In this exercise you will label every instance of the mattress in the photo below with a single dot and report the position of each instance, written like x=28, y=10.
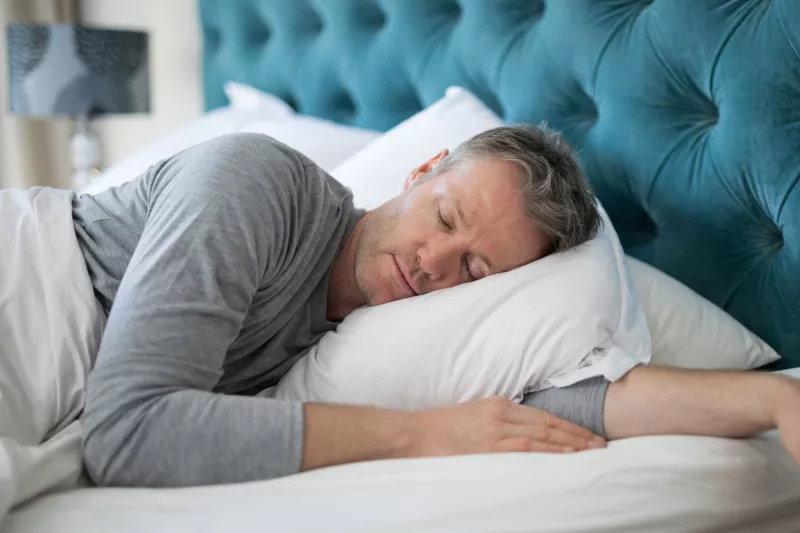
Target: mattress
x=654, y=484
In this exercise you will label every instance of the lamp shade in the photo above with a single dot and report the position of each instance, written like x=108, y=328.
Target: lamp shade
x=65, y=70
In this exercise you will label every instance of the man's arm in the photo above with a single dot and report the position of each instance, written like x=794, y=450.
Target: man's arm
x=647, y=401
x=344, y=434
x=210, y=240
x=653, y=400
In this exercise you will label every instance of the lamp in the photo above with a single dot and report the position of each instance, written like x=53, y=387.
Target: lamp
x=73, y=71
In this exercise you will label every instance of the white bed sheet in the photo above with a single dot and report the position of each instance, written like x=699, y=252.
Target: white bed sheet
x=653, y=484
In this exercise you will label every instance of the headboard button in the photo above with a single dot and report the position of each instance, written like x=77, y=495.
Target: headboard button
x=373, y=18
x=452, y=11
x=260, y=34
x=779, y=240
x=536, y=8
x=713, y=116
x=213, y=38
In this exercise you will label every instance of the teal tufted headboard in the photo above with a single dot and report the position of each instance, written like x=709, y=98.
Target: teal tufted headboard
x=686, y=113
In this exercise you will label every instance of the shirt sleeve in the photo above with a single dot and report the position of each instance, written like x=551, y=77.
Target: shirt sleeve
x=582, y=403
x=216, y=214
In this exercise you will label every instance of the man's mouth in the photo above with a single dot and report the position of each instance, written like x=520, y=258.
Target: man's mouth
x=402, y=279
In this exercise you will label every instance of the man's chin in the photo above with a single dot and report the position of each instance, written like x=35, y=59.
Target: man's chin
x=379, y=300
x=384, y=295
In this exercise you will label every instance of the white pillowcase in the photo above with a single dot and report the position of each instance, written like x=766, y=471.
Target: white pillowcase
x=378, y=173
x=245, y=98
x=557, y=321
x=205, y=127
x=326, y=143
x=688, y=331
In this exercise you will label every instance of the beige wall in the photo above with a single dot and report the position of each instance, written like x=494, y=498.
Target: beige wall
x=175, y=86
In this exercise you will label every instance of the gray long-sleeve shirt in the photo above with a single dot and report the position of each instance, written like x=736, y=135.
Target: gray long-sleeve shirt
x=213, y=268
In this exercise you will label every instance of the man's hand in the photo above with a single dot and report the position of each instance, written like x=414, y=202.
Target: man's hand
x=497, y=425
x=787, y=417
x=338, y=434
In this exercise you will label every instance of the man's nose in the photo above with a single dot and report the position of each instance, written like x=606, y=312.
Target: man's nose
x=440, y=261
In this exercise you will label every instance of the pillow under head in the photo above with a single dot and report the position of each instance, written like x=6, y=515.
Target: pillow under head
x=559, y=320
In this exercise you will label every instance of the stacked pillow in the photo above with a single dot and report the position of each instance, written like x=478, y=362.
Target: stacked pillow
x=250, y=110
x=689, y=331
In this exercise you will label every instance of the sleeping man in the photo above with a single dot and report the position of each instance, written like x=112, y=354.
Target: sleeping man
x=221, y=266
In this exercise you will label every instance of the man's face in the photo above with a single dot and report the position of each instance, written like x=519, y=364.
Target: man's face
x=459, y=226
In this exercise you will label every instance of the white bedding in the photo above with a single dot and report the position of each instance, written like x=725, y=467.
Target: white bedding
x=50, y=327
x=651, y=484
x=646, y=484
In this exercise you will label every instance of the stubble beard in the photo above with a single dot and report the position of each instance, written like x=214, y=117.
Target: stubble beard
x=373, y=244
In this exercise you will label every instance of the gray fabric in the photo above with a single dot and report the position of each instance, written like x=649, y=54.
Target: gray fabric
x=226, y=251
x=213, y=267
x=582, y=403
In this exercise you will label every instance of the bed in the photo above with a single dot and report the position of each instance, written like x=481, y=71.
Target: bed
x=686, y=115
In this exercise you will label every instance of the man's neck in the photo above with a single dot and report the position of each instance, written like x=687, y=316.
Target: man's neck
x=344, y=294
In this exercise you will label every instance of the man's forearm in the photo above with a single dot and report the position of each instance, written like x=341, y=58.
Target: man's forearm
x=337, y=434
x=345, y=434
x=653, y=400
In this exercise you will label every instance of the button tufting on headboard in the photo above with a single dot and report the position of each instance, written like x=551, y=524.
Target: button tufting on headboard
x=528, y=11
x=260, y=35
x=684, y=114
x=212, y=38
x=371, y=16
x=451, y=10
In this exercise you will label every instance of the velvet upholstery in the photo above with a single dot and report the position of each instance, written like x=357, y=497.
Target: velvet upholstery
x=686, y=113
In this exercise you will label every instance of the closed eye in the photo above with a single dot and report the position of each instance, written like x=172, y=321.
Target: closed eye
x=442, y=221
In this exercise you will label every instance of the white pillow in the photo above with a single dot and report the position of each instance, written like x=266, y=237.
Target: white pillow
x=205, y=127
x=559, y=320
x=688, y=331
x=378, y=173
x=245, y=98
x=326, y=143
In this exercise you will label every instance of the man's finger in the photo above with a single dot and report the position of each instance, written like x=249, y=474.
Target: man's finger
x=521, y=444
x=549, y=435
x=525, y=415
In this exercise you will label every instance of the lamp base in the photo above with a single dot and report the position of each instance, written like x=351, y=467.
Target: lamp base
x=84, y=147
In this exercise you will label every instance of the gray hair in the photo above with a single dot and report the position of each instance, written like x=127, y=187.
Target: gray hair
x=557, y=197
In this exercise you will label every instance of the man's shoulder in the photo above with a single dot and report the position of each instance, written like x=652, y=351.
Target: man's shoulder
x=248, y=150
x=235, y=165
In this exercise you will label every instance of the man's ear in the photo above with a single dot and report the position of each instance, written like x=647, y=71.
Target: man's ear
x=424, y=168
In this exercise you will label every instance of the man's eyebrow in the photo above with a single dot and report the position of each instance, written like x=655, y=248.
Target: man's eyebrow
x=464, y=223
